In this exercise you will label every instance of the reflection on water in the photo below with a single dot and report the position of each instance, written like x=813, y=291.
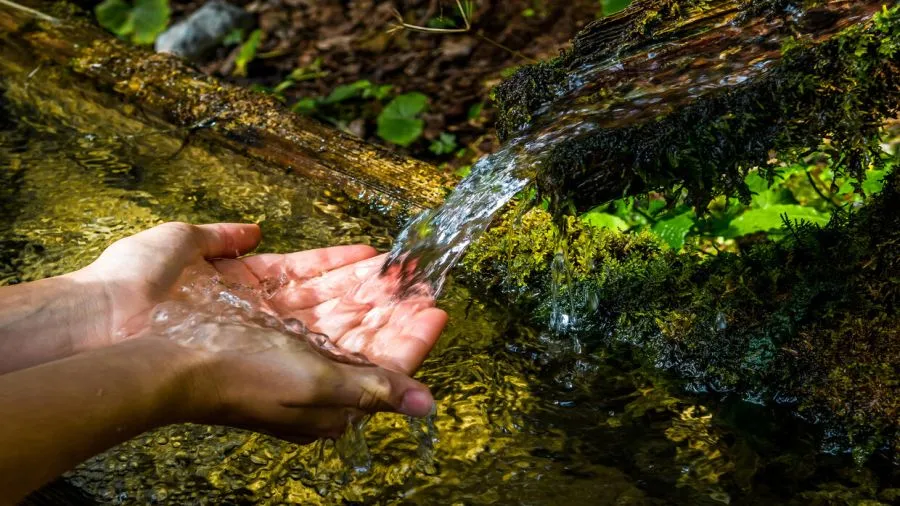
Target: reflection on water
x=521, y=420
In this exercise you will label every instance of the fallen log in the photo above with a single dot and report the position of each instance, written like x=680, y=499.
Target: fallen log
x=58, y=54
x=692, y=94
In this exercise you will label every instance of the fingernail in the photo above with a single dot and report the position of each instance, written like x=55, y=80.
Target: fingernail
x=417, y=403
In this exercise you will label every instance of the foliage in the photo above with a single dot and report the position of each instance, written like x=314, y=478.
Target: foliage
x=247, y=52
x=796, y=195
x=139, y=22
x=399, y=122
x=443, y=145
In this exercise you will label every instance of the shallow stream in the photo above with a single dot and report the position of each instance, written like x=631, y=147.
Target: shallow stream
x=522, y=418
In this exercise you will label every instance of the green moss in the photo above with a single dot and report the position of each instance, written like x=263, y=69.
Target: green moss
x=809, y=322
x=841, y=89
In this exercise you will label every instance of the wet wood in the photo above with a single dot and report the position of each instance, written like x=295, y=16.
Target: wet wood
x=61, y=48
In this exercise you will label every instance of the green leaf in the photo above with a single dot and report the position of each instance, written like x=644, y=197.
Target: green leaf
x=247, y=53
x=115, y=16
x=600, y=219
x=378, y=92
x=874, y=182
x=347, y=91
x=306, y=105
x=475, y=111
x=443, y=145
x=770, y=219
x=234, y=37
x=399, y=122
x=764, y=196
x=150, y=18
x=673, y=230
x=614, y=6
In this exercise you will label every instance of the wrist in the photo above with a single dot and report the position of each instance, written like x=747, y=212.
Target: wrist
x=183, y=392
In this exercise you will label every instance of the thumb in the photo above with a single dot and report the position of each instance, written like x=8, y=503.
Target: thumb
x=373, y=389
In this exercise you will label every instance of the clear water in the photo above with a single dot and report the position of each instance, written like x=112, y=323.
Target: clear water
x=521, y=419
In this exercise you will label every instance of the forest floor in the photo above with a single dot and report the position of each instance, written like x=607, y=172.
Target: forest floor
x=309, y=48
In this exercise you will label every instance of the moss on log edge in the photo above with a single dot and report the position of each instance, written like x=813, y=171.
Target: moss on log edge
x=840, y=88
x=256, y=125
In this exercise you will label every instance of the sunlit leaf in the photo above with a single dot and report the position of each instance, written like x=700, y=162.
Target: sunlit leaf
x=614, y=6
x=673, y=230
x=141, y=22
x=600, y=219
x=770, y=219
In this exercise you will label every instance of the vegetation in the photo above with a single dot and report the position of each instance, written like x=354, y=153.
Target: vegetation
x=140, y=22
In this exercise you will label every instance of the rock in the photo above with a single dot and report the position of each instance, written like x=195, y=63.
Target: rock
x=203, y=30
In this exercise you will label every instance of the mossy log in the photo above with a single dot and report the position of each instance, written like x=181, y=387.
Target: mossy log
x=690, y=94
x=60, y=48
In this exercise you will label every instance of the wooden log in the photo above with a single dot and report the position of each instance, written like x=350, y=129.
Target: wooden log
x=60, y=49
x=691, y=94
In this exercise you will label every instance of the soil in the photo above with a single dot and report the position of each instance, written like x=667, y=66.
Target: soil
x=350, y=40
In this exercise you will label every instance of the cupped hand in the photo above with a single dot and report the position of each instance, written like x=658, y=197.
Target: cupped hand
x=338, y=291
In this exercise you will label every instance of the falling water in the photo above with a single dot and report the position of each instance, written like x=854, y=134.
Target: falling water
x=634, y=85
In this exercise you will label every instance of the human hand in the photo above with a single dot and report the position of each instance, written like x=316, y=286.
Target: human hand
x=336, y=291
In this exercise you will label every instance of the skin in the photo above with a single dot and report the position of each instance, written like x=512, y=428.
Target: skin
x=79, y=372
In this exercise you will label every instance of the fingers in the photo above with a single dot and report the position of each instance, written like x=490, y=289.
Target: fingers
x=373, y=389
x=308, y=264
x=226, y=240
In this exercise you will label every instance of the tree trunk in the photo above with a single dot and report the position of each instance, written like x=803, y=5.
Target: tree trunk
x=61, y=56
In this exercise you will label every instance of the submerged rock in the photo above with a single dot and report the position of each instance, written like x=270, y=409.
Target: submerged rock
x=203, y=30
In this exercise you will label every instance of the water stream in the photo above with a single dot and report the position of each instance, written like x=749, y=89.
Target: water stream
x=522, y=418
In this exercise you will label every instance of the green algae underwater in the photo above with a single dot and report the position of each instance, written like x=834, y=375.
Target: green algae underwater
x=809, y=322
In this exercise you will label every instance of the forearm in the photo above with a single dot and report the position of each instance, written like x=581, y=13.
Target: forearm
x=47, y=320
x=57, y=415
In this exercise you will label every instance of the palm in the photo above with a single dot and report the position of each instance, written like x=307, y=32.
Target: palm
x=336, y=291
x=339, y=292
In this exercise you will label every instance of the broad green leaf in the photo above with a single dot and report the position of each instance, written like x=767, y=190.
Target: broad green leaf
x=673, y=230
x=763, y=196
x=347, y=91
x=770, y=219
x=604, y=220
x=234, y=37
x=150, y=18
x=399, y=122
x=475, y=111
x=115, y=16
x=247, y=53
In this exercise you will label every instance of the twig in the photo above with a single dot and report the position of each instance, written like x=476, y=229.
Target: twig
x=812, y=183
x=401, y=25
x=38, y=14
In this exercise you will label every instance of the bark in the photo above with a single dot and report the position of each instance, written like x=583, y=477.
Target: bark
x=693, y=94
x=76, y=64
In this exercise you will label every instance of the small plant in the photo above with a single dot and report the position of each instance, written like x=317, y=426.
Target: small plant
x=443, y=145
x=140, y=22
x=247, y=53
x=613, y=6
x=399, y=122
